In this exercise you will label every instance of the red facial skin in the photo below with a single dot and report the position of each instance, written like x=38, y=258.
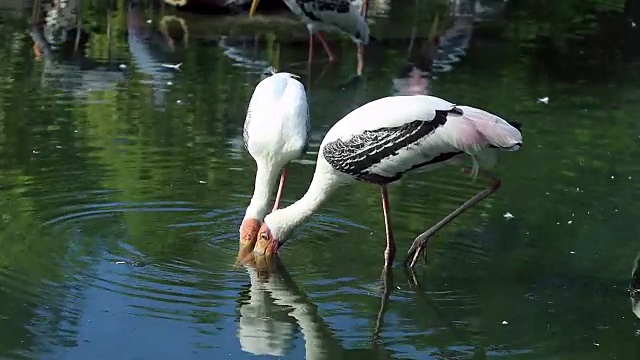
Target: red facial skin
x=248, y=235
x=266, y=244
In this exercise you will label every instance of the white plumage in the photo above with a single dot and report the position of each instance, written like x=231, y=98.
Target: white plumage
x=276, y=131
x=329, y=15
x=469, y=133
x=333, y=15
x=386, y=138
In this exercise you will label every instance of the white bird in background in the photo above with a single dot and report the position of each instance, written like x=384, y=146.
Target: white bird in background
x=386, y=138
x=345, y=16
x=276, y=131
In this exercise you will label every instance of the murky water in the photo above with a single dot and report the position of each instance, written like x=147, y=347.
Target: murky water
x=123, y=183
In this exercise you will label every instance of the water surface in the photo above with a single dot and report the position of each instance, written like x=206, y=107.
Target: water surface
x=123, y=183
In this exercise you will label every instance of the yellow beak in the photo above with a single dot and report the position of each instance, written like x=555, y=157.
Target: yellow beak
x=254, y=6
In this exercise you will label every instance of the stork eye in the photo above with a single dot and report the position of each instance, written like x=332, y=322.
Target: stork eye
x=264, y=236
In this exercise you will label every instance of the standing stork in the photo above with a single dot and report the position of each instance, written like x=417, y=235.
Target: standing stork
x=276, y=131
x=381, y=141
x=344, y=16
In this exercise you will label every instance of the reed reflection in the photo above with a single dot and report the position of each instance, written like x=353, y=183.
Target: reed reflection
x=274, y=307
x=444, y=46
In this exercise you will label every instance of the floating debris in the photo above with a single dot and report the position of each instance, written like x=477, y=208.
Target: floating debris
x=544, y=100
x=122, y=66
x=508, y=216
x=171, y=66
x=202, y=181
x=119, y=262
x=149, y=21
x=505, y=322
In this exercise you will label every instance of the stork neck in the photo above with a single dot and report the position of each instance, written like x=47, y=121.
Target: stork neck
x=266, y=177
x=315, y=196
x=323, y=184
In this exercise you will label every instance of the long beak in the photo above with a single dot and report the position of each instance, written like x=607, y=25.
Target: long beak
x=245, y=257
x=254, y=6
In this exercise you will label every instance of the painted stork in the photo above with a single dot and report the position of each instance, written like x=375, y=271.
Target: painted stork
x=384, y=139
x=276, y=131
x=344, y=16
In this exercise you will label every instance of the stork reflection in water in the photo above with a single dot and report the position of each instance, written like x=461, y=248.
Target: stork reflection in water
x=274, y=307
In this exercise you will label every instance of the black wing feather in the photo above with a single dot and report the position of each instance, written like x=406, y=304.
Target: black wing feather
x=359, y=153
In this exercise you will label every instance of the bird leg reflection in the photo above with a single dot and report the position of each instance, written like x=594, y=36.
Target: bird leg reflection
x=420, y=243
x=461, y=334
x=387, y=289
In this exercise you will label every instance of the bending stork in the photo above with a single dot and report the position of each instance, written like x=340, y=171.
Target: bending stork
x=276, y=131
x=380, y=142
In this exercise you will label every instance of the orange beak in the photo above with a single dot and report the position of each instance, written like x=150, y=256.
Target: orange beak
x=248, y=235
x=265, y=266
x=266, y=247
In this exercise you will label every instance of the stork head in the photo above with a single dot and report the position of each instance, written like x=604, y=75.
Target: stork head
x=266, y=243
x=248, y=235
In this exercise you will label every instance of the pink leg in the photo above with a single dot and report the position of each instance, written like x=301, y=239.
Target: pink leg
x=276, y=205
x=365, y=6
x=420, y=243
x=326, y=46
x=390, y=251
x=310, y=48
x=360, y=65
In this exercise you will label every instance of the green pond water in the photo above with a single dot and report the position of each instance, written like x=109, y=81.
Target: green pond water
x=123, y=184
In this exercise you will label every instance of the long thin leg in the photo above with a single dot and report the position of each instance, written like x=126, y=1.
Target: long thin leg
x=360, y=55
x=390, y=251
x=420, y=243
x=326, y=46
x=276, y=205
x=310, y=59
x=365, y=6
x=36, y=51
